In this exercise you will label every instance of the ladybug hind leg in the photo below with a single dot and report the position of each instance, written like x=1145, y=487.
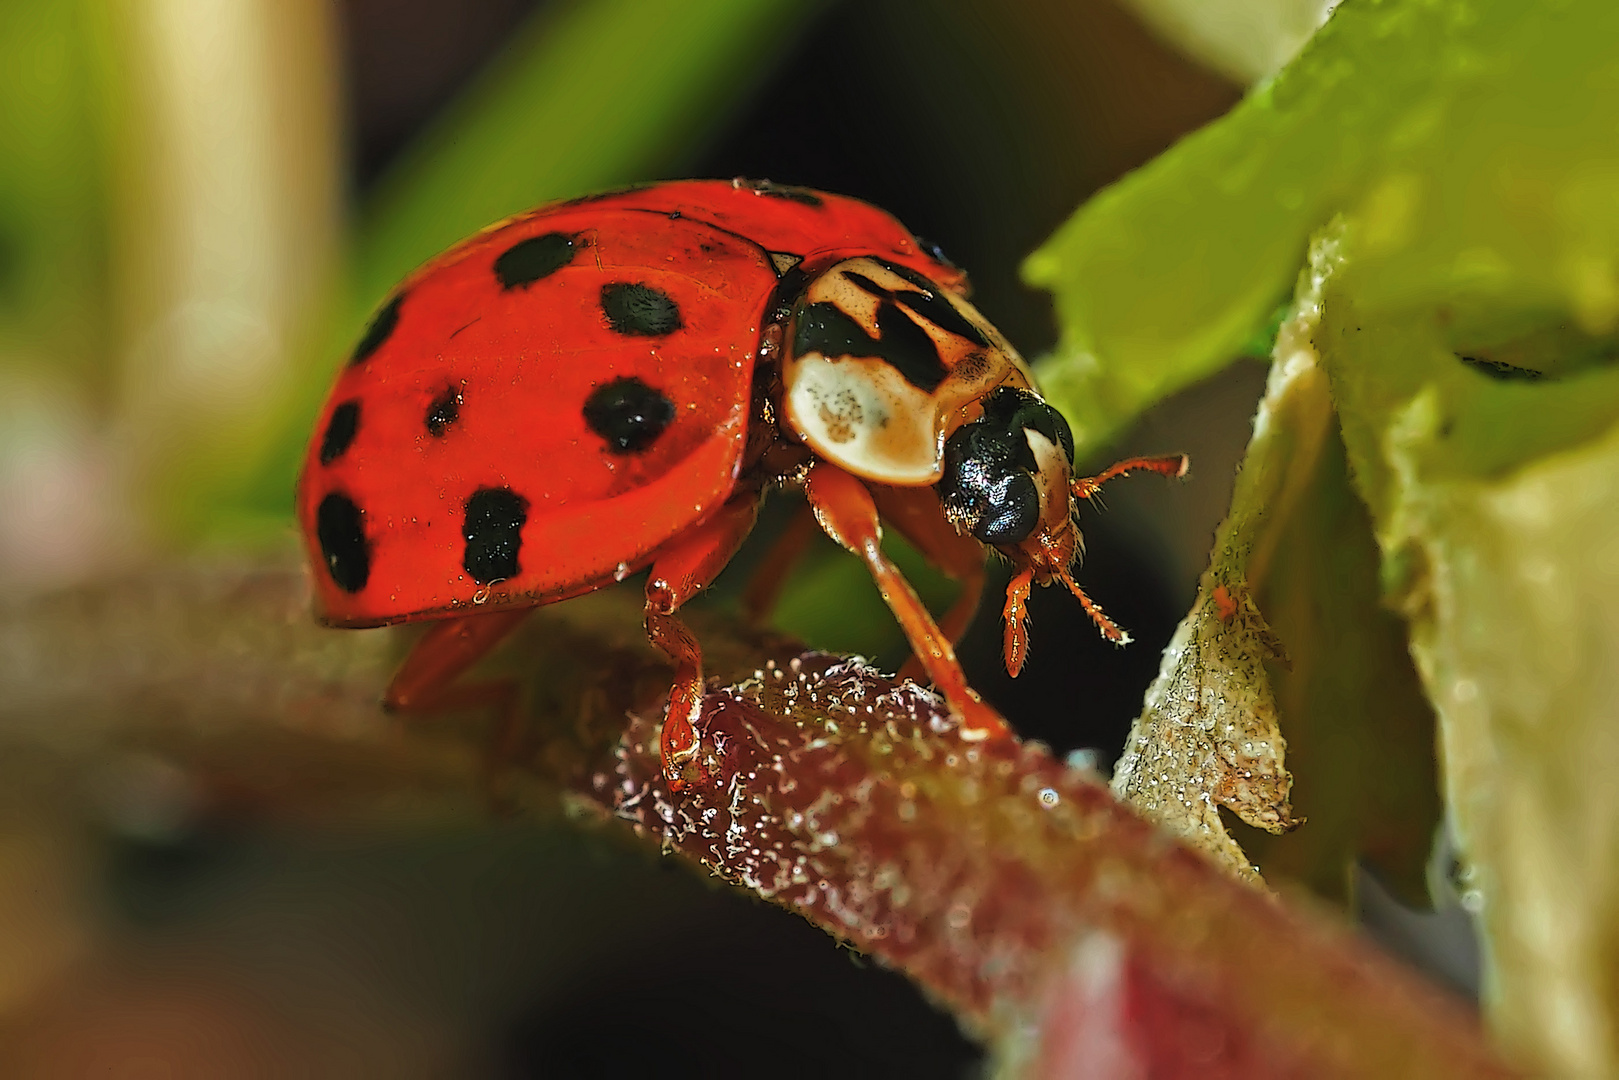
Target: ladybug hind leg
x=681, y=569
x=425, y=682
x=845, y=509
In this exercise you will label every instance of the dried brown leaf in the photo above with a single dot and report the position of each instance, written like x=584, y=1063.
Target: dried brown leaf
x=1208, y=736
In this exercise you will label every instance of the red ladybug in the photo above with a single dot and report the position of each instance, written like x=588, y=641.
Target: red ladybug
x=611, y=384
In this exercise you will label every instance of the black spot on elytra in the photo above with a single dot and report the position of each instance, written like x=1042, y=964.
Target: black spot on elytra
x=929, y=305
x=639, y=310
x=493, y=529
x=527, y=261
x=340, y=528
x=444, y=411
x=629, y=414
x=905, y=346
x=340, y=431
x=376, y=335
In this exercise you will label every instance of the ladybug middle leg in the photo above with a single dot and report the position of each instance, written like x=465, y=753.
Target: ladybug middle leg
x=764, y=587
x=845, y=508
x=681, y=569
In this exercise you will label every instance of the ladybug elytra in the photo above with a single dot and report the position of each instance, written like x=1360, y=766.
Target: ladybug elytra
x=611, y=384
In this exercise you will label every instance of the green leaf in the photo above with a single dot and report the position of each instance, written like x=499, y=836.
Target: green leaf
x=1425, y=117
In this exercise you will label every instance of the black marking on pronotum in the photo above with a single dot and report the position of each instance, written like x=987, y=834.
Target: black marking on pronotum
x=340, y=528
x=919, y=280
x=376, y=335
x=927, y=304
x=340, y=431
x=444, y=411
x=906, y=347
x=791, y=285
x=527, y=261
x=639, y=310
x=493, y=529
x=628, y=414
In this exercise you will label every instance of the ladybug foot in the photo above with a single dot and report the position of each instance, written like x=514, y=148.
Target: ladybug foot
x=979, y=720
x=679, y=744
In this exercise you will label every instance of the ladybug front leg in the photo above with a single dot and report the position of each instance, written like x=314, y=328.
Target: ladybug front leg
x=1015, y=621
x=845, y=509
x=919, y=517
x=681, y=569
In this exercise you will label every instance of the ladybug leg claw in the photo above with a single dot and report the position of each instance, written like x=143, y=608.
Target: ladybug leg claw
x=845, y=509
x=680, y=570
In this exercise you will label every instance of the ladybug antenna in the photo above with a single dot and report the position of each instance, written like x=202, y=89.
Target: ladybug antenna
x=1107, y=626
x=1172, y=465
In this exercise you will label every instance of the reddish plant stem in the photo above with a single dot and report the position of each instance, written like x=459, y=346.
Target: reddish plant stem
x=1056, y=924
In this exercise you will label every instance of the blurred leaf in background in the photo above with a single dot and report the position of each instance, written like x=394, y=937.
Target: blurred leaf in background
x=58, y=482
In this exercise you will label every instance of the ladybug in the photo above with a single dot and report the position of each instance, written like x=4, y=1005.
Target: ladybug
x=611, y=384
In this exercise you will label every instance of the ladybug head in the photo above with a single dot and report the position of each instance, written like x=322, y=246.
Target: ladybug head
x=1007, y=479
